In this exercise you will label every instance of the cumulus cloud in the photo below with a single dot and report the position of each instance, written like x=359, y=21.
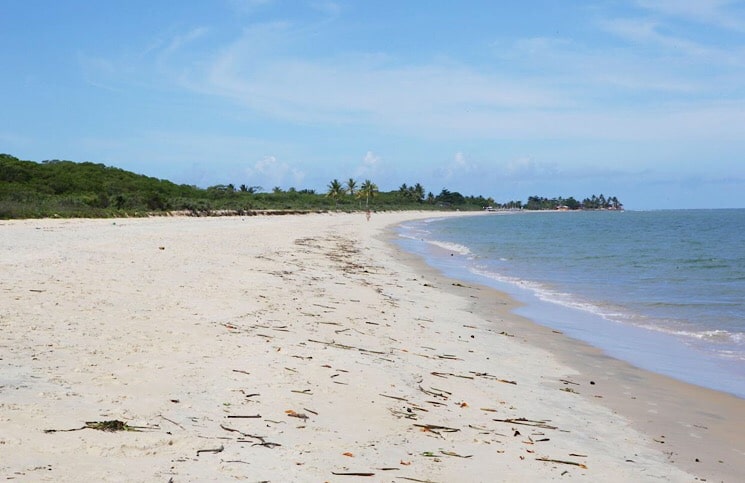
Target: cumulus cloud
x=269, y=172
x=371, y=166
x=527, y=167
x=459, y=166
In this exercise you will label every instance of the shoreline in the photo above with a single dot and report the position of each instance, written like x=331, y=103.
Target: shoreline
x=682, y=345
x=304, y=348
x=698, y=427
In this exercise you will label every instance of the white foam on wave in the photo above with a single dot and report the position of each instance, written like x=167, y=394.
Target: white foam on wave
x=718, y=336
x=545, y=294
x=731, y=355
x=452, y=247
x=413, y=232
x=409, y=236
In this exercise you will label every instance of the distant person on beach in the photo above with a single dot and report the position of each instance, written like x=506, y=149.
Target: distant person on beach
x=367, y=215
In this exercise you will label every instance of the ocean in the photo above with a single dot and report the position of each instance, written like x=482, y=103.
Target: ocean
x=663, y=290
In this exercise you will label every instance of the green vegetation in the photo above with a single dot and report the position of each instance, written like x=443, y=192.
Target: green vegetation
x=68, y=189
x=592, y=203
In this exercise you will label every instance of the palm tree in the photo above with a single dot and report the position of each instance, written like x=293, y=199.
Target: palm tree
x=335, y=191
x=368, y=190
x=403, y=190
x=351, y=186
x=418, y=192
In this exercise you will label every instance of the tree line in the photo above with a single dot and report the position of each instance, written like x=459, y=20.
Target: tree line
x=592, y=203
x=63, y=188
x=68, y=189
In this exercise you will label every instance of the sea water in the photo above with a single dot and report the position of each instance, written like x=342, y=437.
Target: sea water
x=663, y=290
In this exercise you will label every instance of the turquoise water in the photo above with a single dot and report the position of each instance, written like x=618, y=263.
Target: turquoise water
x=664, y=290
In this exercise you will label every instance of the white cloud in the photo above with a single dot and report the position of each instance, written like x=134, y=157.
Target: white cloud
x=722, y=13
x=354, y=87
x=458, y=167
x=269, y=172
x=549, y=88
x=372, y=165
x=248, y=6
x=527, y=168
x=332, y=9
x=179, y=41
x=645, y=31
x=581, y=94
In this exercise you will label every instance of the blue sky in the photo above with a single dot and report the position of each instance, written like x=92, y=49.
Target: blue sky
x=642, y=99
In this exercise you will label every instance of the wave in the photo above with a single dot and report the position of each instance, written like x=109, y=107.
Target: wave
x=546, y=294
x=453, y=247
x=419, y=233
x=717, y=336
x=619, y=315
x=413, y=231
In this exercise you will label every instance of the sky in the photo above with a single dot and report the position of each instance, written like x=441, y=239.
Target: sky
x=639, y=99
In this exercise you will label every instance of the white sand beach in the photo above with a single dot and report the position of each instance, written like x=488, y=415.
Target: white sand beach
x=308, y=348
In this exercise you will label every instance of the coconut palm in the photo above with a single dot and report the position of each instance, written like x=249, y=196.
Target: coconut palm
x=335, y=191
x=418, y=192
x=367, y=190
x=351, y=186
x=403, y=191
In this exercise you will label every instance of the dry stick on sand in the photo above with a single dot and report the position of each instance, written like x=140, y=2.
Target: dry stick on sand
x=490, y=376
x=564, y=462
x=435, y=392
x=435, y=429
x=446, y=374
x=526, y=422
x=395, y=397
x=170, y=421
x=344, y=346
x=214, y=450
x=453, y=453
x=262, y=441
